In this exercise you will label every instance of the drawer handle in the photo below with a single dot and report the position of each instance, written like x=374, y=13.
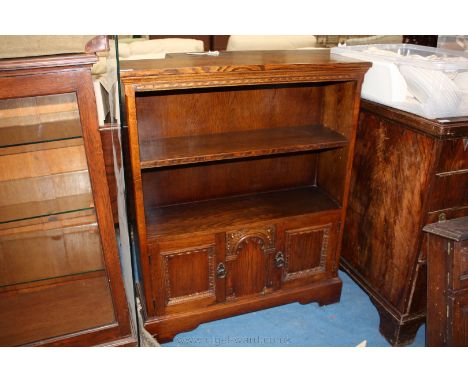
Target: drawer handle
x=221, y=271
x=279, y=259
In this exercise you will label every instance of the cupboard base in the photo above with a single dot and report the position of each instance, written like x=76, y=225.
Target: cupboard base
x=165, y=328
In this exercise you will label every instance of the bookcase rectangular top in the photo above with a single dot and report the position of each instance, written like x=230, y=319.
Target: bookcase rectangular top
x=318, y=60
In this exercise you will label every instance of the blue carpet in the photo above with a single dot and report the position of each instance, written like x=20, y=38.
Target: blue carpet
x=347, y=323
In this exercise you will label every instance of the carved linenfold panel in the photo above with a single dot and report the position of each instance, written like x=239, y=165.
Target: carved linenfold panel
x=235, y=240
x=189, y=274
x=306, y=251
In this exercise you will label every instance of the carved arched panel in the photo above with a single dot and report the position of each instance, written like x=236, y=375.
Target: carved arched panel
x=247, y=258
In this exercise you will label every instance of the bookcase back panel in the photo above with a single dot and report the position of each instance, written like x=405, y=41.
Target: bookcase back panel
x=212, y=180
x=183, y=113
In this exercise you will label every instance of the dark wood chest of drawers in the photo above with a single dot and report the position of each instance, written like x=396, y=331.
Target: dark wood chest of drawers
x=408, y=171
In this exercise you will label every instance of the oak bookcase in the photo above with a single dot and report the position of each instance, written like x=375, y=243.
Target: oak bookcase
x=240, y=174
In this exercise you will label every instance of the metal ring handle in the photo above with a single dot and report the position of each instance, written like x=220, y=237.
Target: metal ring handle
x=279, y=259
x=221, y=271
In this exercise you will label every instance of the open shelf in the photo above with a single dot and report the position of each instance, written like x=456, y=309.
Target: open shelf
x=50, y=250
x=40, y=133
x=49, y=281
x=73, y=305
x=216, y=215
x=30, y=210
x=44, y=183
x=236, y=144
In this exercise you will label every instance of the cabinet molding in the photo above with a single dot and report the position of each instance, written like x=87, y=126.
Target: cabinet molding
x=204, y=285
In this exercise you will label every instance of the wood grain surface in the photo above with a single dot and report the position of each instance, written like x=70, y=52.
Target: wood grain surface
x=237, y=144
x=230, y=157
x=220, y=214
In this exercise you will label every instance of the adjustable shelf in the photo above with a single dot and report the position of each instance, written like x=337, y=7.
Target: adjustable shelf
x=47, y=195
x=31, y=210
x=50, y=249
x=40, y=133
x=237, y=144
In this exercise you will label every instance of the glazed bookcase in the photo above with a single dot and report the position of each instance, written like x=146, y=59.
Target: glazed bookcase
x=60, y=278
x=240, y=171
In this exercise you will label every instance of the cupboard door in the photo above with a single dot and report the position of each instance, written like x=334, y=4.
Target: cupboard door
x=184, y=274
x=248, y=258
x=309, y=248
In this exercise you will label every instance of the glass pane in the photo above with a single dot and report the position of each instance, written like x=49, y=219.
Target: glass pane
x=48, y=250
x=39, y=119
x=49, y=181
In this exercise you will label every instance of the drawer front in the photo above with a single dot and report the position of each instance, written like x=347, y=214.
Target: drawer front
x=451, y=179
x=183, y=274
x=309, y=247
x=454, y=156
x=450, y=191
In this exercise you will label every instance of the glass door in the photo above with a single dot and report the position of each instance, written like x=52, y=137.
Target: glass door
x=52, y=272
